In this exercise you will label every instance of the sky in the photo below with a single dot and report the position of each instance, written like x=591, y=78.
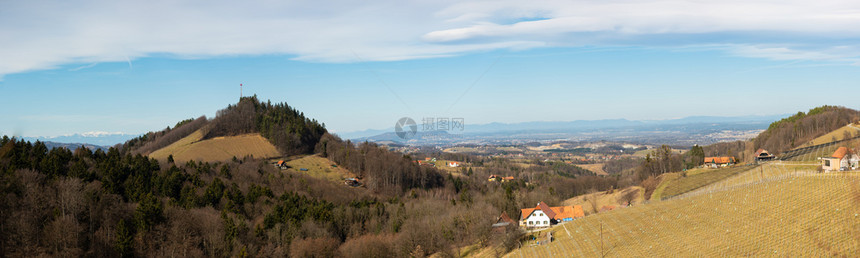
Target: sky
x=136, y=66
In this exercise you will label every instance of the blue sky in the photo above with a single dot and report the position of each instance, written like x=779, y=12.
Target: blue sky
x=74, y=67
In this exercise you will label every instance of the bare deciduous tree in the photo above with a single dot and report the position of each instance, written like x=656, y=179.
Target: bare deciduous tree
x=628, y=197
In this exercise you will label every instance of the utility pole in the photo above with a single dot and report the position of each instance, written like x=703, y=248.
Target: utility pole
x=240, y=91
x=602, y=253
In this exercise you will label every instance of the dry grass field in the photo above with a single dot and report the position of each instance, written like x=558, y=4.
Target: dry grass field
x=318, y=167
x=838, y=134
x=606, y=199
x=217, y=149
x=442, y=164
x=643, y=153
x=596, y=168
x=794, y=216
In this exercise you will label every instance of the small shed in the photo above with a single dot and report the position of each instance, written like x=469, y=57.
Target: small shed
x=763, y=155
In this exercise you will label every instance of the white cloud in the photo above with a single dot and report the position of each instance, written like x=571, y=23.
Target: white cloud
x=47, y=34
x=83, y=67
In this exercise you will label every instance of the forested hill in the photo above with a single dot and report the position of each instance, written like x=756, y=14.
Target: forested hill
x=292, y=133
x=285, y=127
x=793, y=131
x=124, y=203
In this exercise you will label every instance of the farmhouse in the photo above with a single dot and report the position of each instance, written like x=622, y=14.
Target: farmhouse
x=281, y=164
x=716, y=162
x=763, y=155
x=454, y=164
x=544, y=216
x=842, y=159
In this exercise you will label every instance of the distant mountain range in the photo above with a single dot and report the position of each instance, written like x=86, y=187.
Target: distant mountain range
x=544, y=127
x=74, y=146
x=92, y=140
x=539, y=130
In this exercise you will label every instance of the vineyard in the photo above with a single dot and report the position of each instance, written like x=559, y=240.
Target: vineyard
x=812, y=153
x=683, y=184
x=774, y=210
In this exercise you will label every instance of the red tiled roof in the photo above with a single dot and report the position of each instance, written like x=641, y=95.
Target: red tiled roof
x=524, y=213
x=568, y=212
x=504, y=218
x=841, y=152
x=557, y=213
x=719, y=160
x=761, y=151
x=546, y=209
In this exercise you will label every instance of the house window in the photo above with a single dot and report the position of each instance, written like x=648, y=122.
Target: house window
x=530, y=223
x=544, y=222
x=826, y=162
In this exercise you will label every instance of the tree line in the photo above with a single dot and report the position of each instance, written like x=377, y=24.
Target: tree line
x=381, y=170
x=111, y=204
x=793, y=131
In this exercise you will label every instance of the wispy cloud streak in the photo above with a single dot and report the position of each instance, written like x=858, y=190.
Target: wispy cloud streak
x=49, y=34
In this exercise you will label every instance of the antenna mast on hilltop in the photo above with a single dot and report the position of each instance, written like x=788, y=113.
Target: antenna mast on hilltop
x=240, y=91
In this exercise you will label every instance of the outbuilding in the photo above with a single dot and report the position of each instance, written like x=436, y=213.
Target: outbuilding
x=842, y=159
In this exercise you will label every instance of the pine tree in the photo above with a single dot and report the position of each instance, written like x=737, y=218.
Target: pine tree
x=124, y=239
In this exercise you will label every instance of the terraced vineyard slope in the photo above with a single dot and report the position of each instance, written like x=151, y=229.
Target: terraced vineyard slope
x=812, y=153
x=794, y=216
x=696, y=179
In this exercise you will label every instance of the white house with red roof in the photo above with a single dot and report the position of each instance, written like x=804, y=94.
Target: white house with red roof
x=544, y=216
